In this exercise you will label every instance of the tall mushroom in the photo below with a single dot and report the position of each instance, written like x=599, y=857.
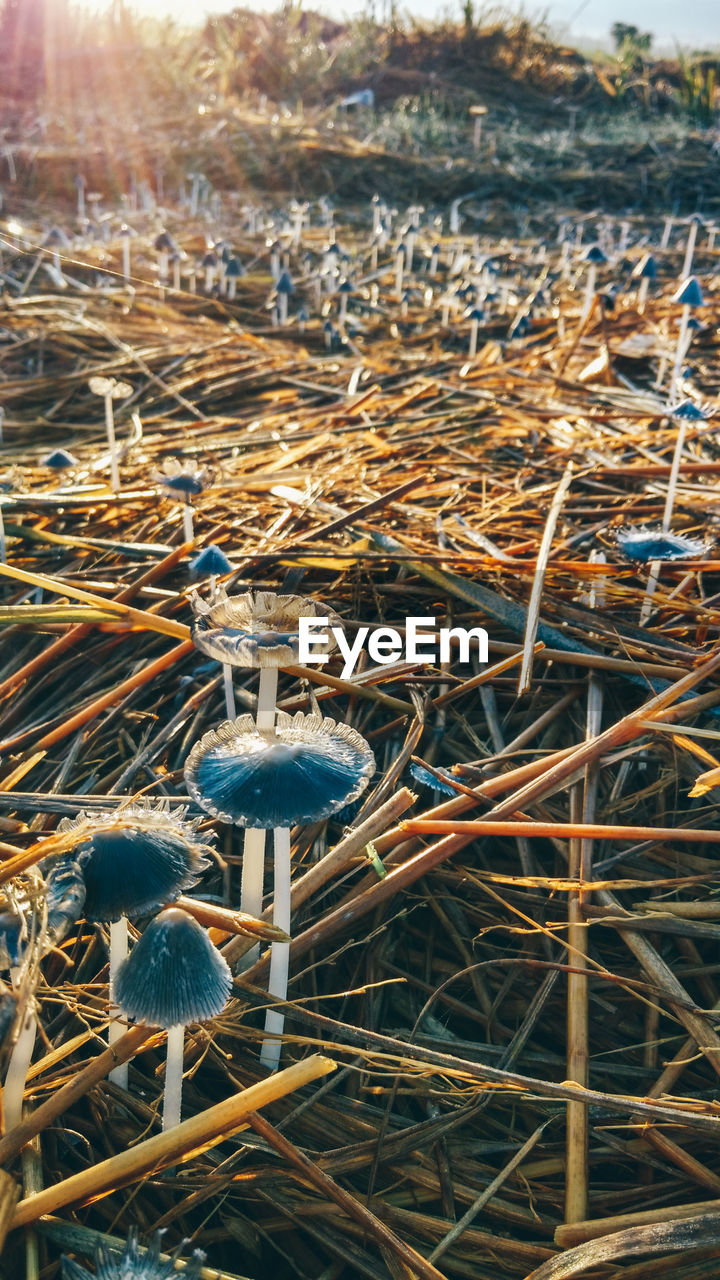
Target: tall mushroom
x=302, y=770
x=110, y=389
x=260, y=631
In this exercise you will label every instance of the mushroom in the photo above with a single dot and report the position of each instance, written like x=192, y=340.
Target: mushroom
x=132, y=862
x=184, y=478
x=14, y=941
x=257, y=631
x=283, y=288
x=477, y=112
x=303, y=770
x=172, y=977
x=135, y=1263
x=210, y=563
x=110, y=389
x=657, y=544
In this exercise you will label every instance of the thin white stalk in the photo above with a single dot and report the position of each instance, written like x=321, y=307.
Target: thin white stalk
x=253, y=874
x=267, y=692
x=172, y=1098
x=14, y=1089
x=126, y=258
x=117, y=1028
x=680, y=352
x=188, y=529
x=253, y=863
x=280, y=952
x=654, y=574
x=689, y=251
x=228, y=687
x=3, y=544
x=110, y=430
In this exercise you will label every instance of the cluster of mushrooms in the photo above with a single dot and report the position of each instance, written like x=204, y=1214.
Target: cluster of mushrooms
x=271, y=772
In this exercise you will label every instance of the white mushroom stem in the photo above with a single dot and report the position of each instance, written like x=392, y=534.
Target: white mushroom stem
x=253, y=864
x=117, y=1028
x=283, y=308
x=680, y=351
x=110, y=430
x=267, y=693
x=172, y=1098
x=188, y=529
x=229, y=695
x=280, y=952
x=126, y=258
x=689, y=251
x=14, y=1089
x=472, y=345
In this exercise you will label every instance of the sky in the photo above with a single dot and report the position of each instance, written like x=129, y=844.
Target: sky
x=692, y=24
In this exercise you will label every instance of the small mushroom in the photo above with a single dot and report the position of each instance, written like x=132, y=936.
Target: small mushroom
x=172, y=977
x=110, y=389
x=183, y=478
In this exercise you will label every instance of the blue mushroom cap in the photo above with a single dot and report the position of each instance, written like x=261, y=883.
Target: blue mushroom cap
x=309, y=769
x=184, y=482
x=646, y=544
x=134, y=1263
x=211, y=560
x=428, y=779
x=689, y=412
x=134, y=864
x=59, y=460
x=689, y=293
x=65, y=896
x=173, y=975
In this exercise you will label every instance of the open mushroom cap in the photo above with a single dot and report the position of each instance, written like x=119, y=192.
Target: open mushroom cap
x=259, y=629
x=135, y=861
x=308, y=769
x=134, y=1263
x=653, y=544
x=110, y=387
x=173, y=975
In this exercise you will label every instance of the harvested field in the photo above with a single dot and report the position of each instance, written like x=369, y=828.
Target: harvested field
x=499, y=1046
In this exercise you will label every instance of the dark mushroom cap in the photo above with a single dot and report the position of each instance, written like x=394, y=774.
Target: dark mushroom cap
x=59, y=460
x=594, y=254
x=211, y=560
x=65, y=894
x=308, y=769
x=689, y=412
x=135, y=862
x=173, y=975
x=650, y=544
x=133, y=1263
x=689, y=293
x=259, y=629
